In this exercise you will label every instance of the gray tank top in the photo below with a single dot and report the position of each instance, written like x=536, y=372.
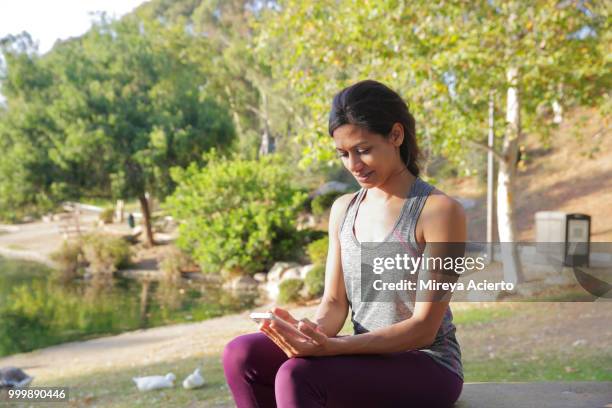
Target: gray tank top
x=367, y=316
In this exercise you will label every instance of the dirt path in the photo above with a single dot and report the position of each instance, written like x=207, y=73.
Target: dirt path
x=528, y=329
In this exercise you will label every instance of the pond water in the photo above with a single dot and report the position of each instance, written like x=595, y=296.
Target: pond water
x=38, y=311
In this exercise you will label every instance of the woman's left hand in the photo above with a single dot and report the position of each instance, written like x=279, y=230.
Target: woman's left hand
x=293, y=344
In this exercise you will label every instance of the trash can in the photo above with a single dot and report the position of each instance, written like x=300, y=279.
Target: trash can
x=566, y=236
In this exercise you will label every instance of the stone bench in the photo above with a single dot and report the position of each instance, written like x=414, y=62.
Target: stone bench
x=579, y=394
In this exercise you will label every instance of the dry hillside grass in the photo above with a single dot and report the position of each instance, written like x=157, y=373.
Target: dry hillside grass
x=572, y=174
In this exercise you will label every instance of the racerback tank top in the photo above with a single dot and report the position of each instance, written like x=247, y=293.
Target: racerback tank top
x=367, y=316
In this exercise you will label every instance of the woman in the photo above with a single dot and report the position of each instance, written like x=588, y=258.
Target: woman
x=403, y=354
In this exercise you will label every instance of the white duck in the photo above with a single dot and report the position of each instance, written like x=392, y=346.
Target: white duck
x=154, y=382
x=194, y=380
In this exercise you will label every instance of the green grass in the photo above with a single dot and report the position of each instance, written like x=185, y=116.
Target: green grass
x=115, y=388
x=481, y=315
x=476, y=315
x=541, y=367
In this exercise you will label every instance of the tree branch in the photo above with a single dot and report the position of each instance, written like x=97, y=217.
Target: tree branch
x=485, y=147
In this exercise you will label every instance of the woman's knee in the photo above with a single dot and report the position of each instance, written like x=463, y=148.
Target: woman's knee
x=239, y=351
x=294, y=372
x=298, y=382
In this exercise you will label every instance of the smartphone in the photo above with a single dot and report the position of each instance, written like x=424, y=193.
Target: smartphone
x=258, y=317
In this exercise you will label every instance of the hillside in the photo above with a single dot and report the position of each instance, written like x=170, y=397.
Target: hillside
x=572, y=174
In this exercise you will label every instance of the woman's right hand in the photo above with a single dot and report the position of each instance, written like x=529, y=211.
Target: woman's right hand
x=304, y=325
x=285, y=315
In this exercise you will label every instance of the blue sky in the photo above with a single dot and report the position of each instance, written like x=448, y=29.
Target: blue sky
x=49, y=20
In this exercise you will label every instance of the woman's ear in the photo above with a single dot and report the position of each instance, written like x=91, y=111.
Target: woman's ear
x=397, y=134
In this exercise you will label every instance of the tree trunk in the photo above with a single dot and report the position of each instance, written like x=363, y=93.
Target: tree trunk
x=267, y=145
x=505, y=184
x=146, y=216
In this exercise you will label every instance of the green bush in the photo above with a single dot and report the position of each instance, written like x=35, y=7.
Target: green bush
x=289, y=290
x=317, y=250
x=315, y=281
x=67, y=258
x=105, y=253
x=107, y=215
x=236, y=215
x=323, y=202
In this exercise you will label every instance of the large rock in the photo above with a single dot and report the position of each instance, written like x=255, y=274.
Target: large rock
x=330, y=186
x=278, y=269
x=242, y=283
x=260, y=277
x=280, y=272
x=305, y=269
x=271, y=289
x=291, y=273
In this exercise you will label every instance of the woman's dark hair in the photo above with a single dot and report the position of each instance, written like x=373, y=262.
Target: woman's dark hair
x=376, y=108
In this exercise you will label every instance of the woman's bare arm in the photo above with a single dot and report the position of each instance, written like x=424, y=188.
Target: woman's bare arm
x=333, y=309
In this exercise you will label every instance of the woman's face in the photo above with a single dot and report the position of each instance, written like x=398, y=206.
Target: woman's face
x=370, y=157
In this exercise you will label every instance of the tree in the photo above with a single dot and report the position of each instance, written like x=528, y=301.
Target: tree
x=124, y=106
x=446, y=58
x=25, y=170
x=239, y=80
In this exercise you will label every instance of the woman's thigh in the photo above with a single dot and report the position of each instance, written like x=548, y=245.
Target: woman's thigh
x=408, y=379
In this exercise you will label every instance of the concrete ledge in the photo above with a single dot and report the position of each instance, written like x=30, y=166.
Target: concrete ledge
x=577, y=394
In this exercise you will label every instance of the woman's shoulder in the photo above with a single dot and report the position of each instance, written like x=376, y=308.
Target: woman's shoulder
x=339, y=209
x=442, y=217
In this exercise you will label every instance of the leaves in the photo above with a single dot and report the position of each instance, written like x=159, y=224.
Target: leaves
x=236, y=213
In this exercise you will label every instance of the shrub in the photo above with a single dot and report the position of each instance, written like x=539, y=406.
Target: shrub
x=315, y=281
x=68, y=258
x=107, y=215
x=236, y=215
x=317, y=250
x=105, y=253
x=289, y=290
x=172, y=263
x=323, y=202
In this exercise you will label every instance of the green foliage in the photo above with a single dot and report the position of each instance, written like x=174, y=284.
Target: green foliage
x=105, y=253
x=315, y=280
x=236, y=214
x=289, y=290
x=323, y=202
x=317, y=250
x=105, y=115
x=437, y=64
x=107, y=215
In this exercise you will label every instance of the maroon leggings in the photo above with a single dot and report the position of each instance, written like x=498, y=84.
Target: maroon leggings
x=261, y=375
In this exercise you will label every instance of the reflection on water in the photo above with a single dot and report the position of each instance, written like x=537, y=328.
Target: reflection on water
x=37, y=311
